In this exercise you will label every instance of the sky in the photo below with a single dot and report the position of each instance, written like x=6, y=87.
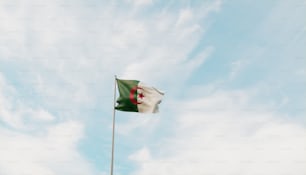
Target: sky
x=233, y=73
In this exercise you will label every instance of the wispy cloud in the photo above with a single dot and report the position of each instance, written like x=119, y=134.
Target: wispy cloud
x=223, y=134
x=61, y=57
x=74, y=47
x=67, y=53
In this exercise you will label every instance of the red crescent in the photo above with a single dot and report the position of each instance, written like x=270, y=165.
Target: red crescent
x=132, y=95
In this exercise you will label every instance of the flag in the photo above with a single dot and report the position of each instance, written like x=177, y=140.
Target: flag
x=137, y=97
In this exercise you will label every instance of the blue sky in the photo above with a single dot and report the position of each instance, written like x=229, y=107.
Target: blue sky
x=233, y=73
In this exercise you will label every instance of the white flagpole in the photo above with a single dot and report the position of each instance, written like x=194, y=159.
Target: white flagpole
x=113, y=135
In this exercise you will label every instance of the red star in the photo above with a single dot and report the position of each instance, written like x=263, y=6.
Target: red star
x=141, y=95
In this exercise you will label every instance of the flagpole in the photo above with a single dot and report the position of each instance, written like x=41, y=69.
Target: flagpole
x=113, y=135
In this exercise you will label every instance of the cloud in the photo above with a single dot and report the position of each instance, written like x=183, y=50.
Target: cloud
x=32, y=143
x=69, y=51
x=225, y=133
x=15, y=113
x=49, y=153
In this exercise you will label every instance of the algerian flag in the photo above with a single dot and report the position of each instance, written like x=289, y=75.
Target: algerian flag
x=137, y=97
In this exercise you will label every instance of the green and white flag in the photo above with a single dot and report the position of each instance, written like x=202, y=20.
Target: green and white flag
x=137, y=97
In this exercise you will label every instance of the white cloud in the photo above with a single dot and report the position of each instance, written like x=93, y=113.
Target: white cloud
x=43, y=148
x=68, y=54
x=70, y=51
x=50, y=153
x=224, y=133
x=14, y=113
